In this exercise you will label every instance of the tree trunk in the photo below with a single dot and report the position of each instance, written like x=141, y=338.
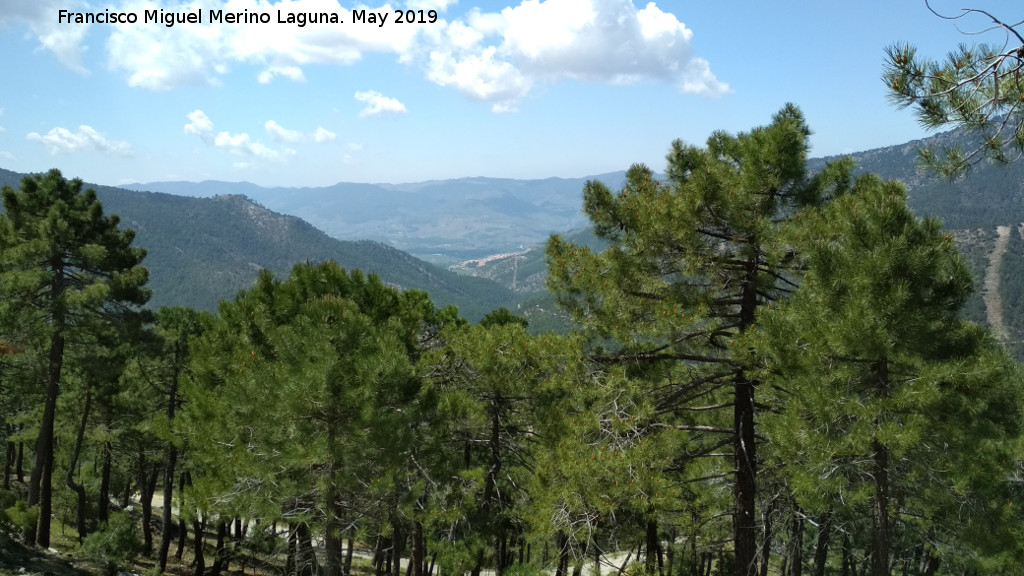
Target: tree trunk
x=745, y=485
x=932, y=566
x=563, y=555
x=182, y=532
x=846, y=560
x=744, y=447
x=171, y=460
x=797, y=564
x=334, y=564
x=182, y=537
x=397, y=550
x=166, y=520
x=348, y=555
x=821, y=545
x=418, y=553
x=147, y=485
x=40, y=489
x=495, y=469
x=126, y=494
x=880, y=512
x=306, y=557
x=388, y=555
x=560, y=543
x=11, y=455
x=651, y=545
x=694, y=557
x=19, y=464
x=104, y=503
x=766, y=545
x=378, y=554
x=220, y=556
x=291, y=559
x=197, y=548
x=69, y=478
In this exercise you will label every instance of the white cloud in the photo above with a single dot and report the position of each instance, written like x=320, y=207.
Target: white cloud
x=293, y=73
x=6, y=155
x=494, y=57
x=323, y=135
x=480, y=76
x=439, y=5
x=200, y=125
x=161, y=58
x=282, y=134
x=499, y=57
x=64, y=40
x=62, y=140
x=242, y=144
x=377, y=103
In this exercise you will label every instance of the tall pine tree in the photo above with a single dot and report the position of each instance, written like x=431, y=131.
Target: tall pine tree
x=898, y=415
x=691, y=261
x=63, y=259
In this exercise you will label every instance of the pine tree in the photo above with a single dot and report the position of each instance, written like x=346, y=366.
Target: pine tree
x=66, y=261
x=892, y=402
x=493, y=394
x=166, y=366
x=691, y=261
x=297, y=406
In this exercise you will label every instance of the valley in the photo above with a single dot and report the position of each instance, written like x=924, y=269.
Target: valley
x=479, y=242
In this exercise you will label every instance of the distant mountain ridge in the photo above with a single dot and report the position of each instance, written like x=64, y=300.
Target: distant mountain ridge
x=448, y=221
x=208, y=239
x=453, y=219
x=201, y=250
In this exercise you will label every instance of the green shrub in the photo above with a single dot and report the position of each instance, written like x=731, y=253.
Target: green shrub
x=7, y=499
x=23, y=519
x=115, y=542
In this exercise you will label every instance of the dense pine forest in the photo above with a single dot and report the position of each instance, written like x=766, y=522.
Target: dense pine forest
x=771, y=372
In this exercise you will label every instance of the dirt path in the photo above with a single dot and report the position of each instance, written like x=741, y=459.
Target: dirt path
x=990, y=292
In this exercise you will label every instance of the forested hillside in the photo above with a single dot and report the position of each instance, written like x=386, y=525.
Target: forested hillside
x=202, y=250
x=772, y=372
x=774, y=368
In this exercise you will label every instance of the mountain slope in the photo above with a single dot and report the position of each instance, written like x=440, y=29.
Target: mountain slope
x=450, y=220
x=204, y=249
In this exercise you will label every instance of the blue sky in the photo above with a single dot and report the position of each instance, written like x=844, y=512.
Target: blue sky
x=513, y=88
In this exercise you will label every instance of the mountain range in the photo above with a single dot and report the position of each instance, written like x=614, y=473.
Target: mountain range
x=201, y=250
x=207, y=240
x=444, y=221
